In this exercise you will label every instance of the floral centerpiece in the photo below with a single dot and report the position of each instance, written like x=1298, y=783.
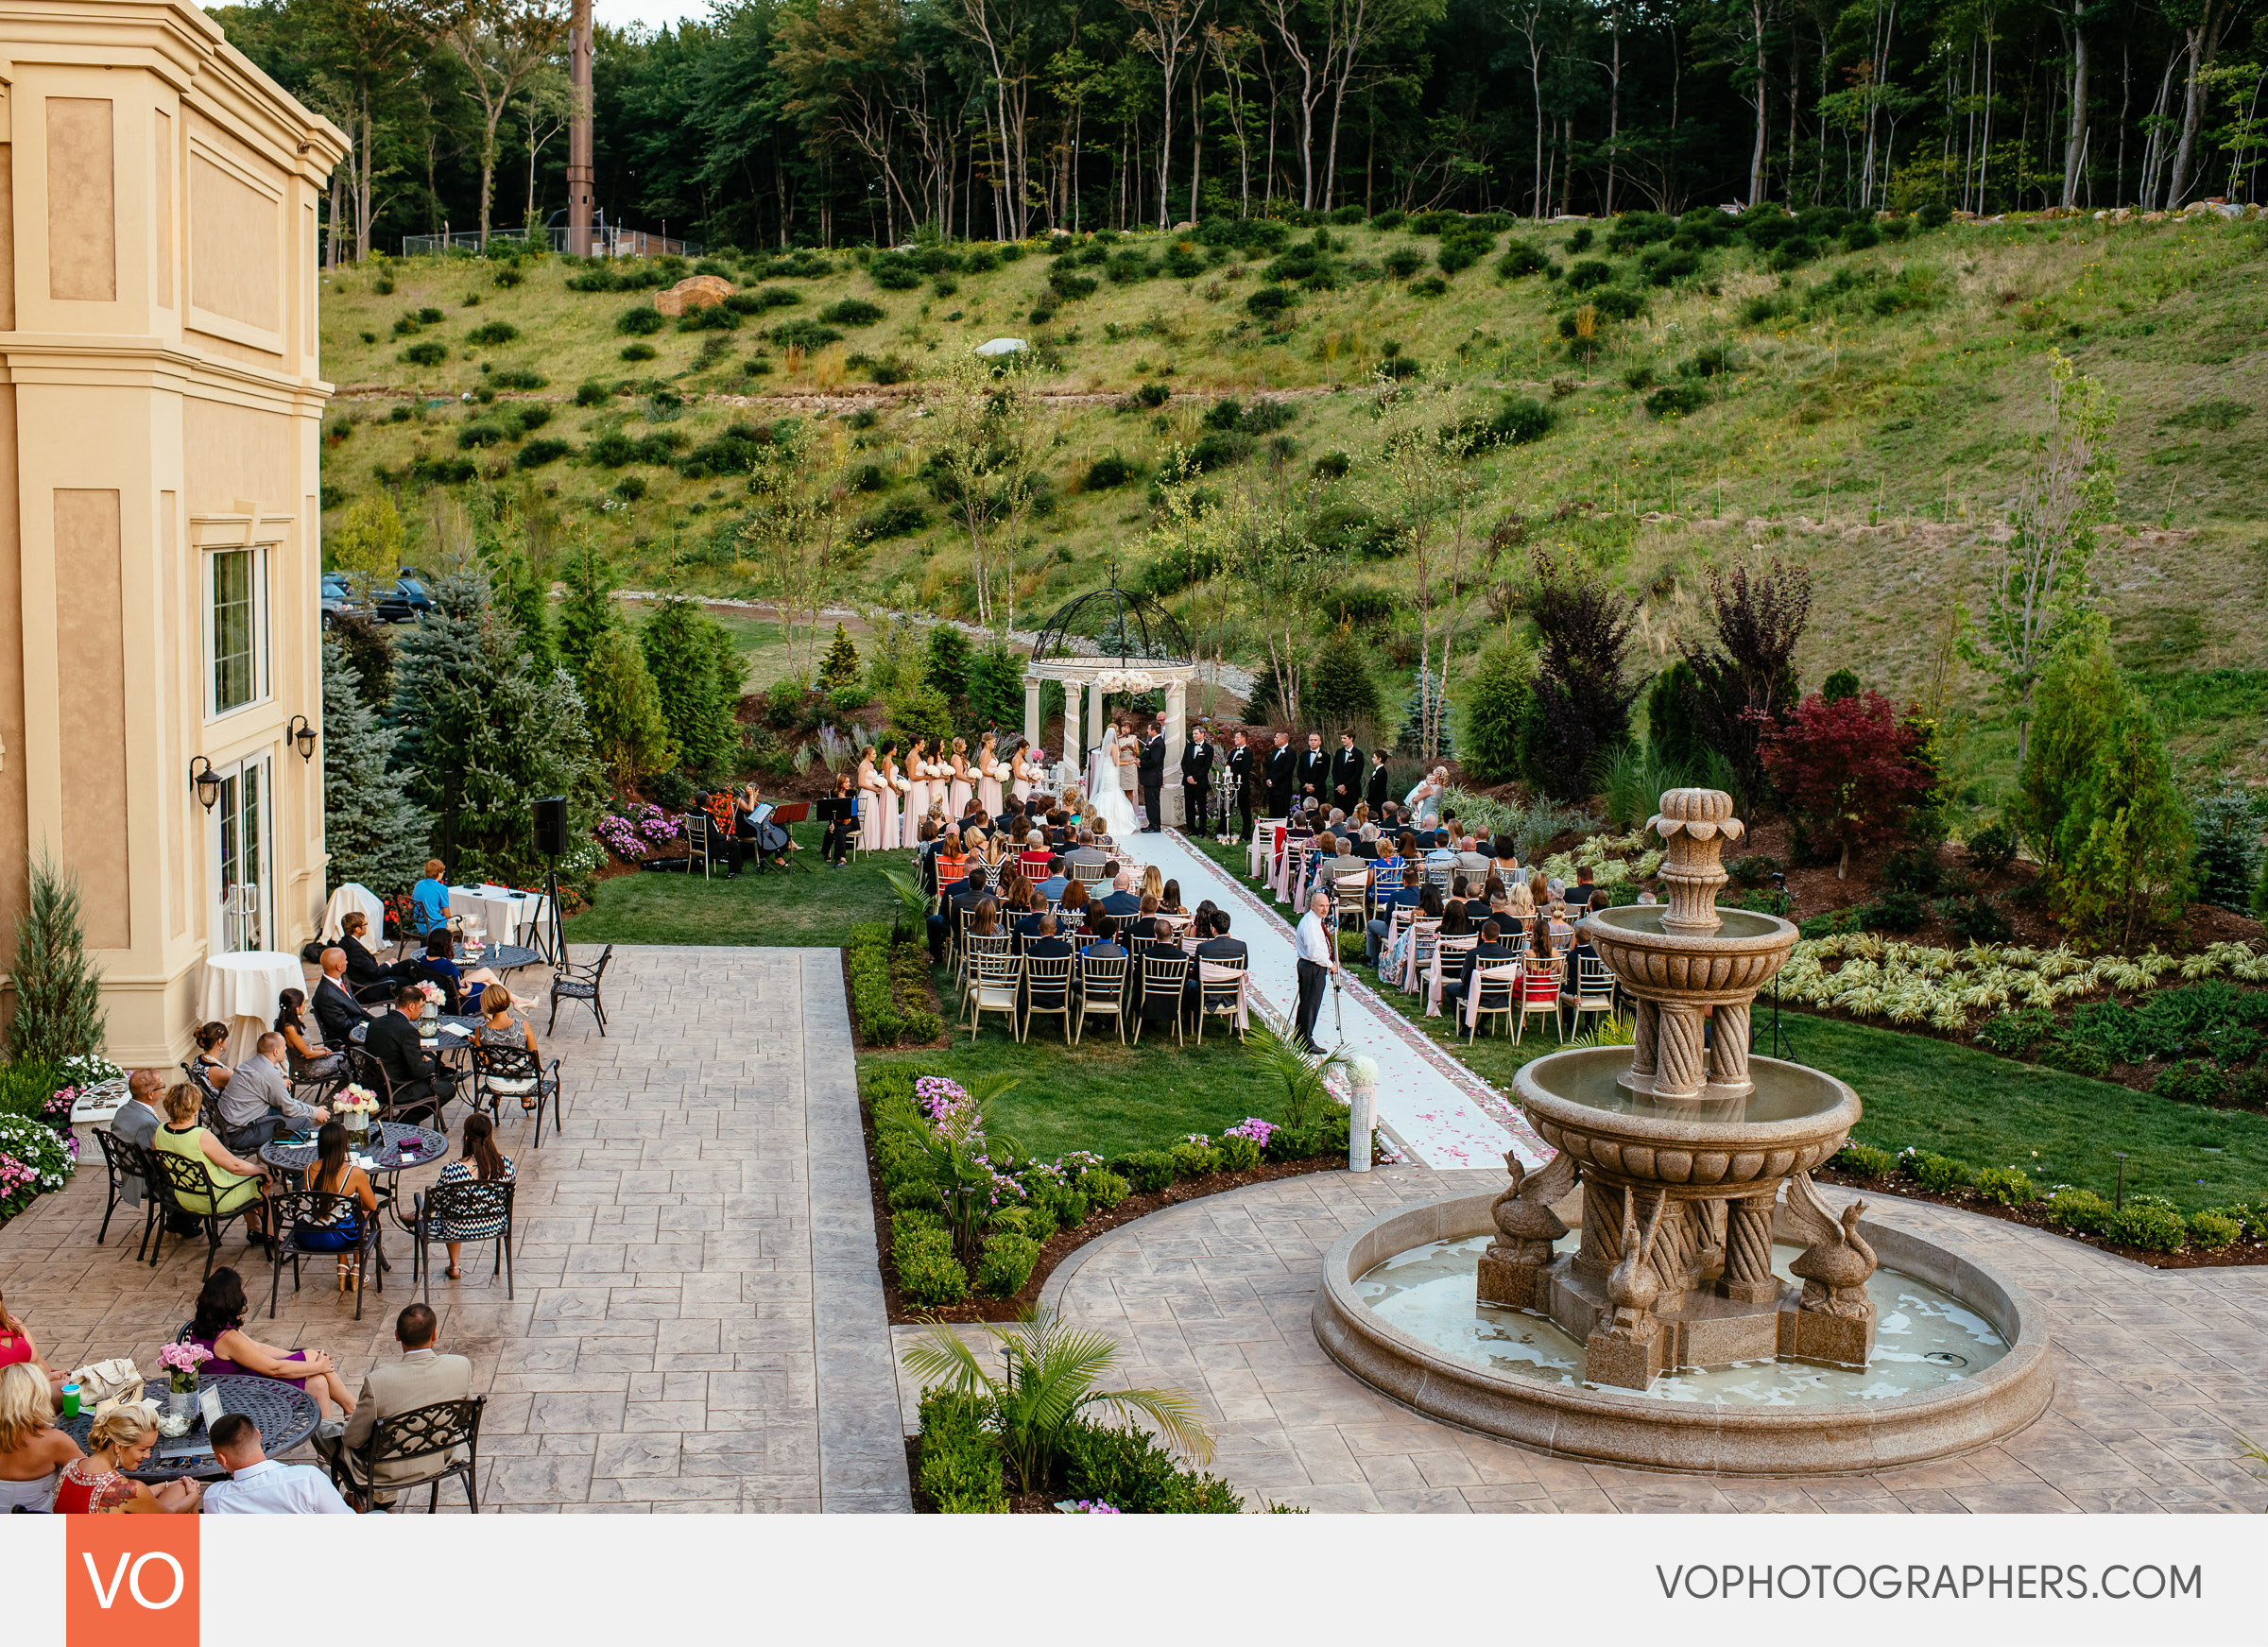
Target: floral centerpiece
x=180, y=1361
x=354, y=1105
x=434, y=997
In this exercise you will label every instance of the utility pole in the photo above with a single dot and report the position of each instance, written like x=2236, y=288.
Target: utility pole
x=578, y=131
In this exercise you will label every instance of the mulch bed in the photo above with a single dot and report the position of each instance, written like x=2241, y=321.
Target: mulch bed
x=2242, y=1253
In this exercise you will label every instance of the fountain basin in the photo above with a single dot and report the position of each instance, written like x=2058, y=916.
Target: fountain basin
x=1795, y=1119
x=1631, y=1428
x=1655, y=962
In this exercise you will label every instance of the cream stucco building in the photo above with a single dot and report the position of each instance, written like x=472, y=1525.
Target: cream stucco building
x=159, y=439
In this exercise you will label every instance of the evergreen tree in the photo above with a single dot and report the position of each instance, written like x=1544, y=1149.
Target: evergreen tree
x=1841, y=684
x=2127, y=842
x=2080, y=694
x=1580, y=710
x=839, y=668
x=1495, y=696
x=697, y=671
x=627, y=729
x=376, y=835
x=371, y=650
x=996, y=688
x=2229, y=861
x=1673, y=732
x=590, y=610
x=525, y=597
x=1341, y=695
x=947, y=663
x=59, y=992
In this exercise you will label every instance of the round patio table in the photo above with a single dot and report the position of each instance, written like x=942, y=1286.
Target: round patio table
x=500, y=957
x=285, y=1414
x=385, y=1151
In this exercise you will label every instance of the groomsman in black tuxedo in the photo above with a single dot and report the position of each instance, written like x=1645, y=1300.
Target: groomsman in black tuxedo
x=1375, y=792
x=1315, y=771
x=1196, y=783
x=1346, y=775
x=1152, y=775
x=1240, y=767
x=1284, y=776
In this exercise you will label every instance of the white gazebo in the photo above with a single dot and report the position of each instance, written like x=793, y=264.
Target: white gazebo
x=1105, y=643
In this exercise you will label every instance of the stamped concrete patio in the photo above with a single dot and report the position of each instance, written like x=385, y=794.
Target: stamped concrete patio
x=698, y=1322
x=2157, y=1371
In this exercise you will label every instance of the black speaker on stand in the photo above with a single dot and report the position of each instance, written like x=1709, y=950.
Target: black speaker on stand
x=551, y=840
x=1784, y=1044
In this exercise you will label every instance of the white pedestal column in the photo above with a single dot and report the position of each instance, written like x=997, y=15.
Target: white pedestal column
x=1176, y=738
x=1094, y=716
x=1031, y=711
x=1075, y=741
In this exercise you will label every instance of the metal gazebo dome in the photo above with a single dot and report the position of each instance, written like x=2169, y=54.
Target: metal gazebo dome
x=1112, y=622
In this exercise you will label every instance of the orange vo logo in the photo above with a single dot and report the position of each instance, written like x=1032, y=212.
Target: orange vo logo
x=131, y=1580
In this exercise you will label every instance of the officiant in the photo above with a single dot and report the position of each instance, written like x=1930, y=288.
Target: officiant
x=1196, y=783
x=1152, y=771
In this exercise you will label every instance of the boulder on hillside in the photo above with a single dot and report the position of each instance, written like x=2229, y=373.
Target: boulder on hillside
x=694, y=292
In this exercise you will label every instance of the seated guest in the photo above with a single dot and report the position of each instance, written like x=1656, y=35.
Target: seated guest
x=1456, y=924
x=1152, y=884
x=1392, y=963
x=337, y=1013
x=1169, y=902
x=439, y=966
x=237, y=1184
x=1122, y=900
x=136, y=1121
x=259, y=1103
x=1519, y=909
x=1143, y=925
x=963, y=898
x=1085, y=851
x=1544, y=950
x=209, y=1038
x=1219, y=949
x=481, y=1163
x=1043, y=946
x=339, y=1227
x=123, y=1438
x=32, y=1449
x=1103, y=946
x=429, y=898
x=17, y=1349
x=1057, y=879
x=984, y=921
x=257, y=1484
x=365, y=976
x=308, y=1060
x=1035, y=859
x=1078, y=906
x=421, y=1377
x=1571, y=977
x=1490, y=952
x=420, y=1085
x=217, y=1326
x=1470, y=858
x=952, y=862
x=1411, y=895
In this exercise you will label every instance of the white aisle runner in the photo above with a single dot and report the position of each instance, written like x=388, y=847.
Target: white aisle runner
x=1445, y=1114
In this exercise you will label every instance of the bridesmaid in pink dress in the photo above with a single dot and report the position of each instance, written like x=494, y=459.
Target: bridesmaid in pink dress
x=962, y=783
x=988, y=776
x=917, y=787
x=874, y=803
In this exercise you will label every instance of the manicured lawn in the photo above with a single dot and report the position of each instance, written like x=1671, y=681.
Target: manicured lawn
x=1102, y=1096
x=796, y=909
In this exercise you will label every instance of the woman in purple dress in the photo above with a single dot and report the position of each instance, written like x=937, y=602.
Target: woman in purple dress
x=218, y=1327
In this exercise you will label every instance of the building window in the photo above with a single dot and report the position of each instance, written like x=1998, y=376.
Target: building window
x=239, y=664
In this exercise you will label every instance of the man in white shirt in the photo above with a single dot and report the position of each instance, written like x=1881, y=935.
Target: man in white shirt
x=1319, y=960
x=257, y=1485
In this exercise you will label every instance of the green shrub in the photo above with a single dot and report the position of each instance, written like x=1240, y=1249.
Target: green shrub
x=1864, y=1160
x=2149, y=1222
x=925, y=1217
x=934, y=1281
x=643, y=321
x=1109, y=471
x=482, y=433
x=1619, y=302
x=1677, y=401
x=1006, y=1265
x=2014, y=1033
x=426, y=354
x=2214, y=1230
x=1895, y=911
x=851, y=312
x=1195, y=1157
x=590, y=394
x=1239, y=1153
x=1264, y=303
x=1070, y=287
x=2075, y=1055
x=911, y=1242
x=1403, y=261
x=1105, y=1188
x=1520, y=259
x=1755, y=869
x=2191, y=1081
x=1148, y=1171
x=1393, y=218
x=1126, y=1469
x=2081, y=1210
x=961, y=1468
x=1591, y=271
x=639, y=352
x=2005, y=1185
x=538, y=452
x=1991, y=848
x=490, y=333
x=1939, y=1174
x=1976, y=920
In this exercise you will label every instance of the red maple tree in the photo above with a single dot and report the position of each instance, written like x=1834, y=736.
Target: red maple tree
x=1849, y=770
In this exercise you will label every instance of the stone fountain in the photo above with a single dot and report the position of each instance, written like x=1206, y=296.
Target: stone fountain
x=1681, y=1145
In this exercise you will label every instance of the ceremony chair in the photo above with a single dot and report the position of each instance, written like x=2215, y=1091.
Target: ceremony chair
x=1595, y=989
x=993, y=975
x=1102, y=994
x=1049, y=976
x=1261, y=846
x=696, y=842
x=1495, y=993
x=180, y=1180
x=1388, y=882
x=1221, y=996
x=1425, y=936
x=1442, y=875
x=974, y=948
x=1163, y=977
x=1449, y=959
x=1538, y=992
x=1351, y=895
x=128, y=1174
x=1086, y=873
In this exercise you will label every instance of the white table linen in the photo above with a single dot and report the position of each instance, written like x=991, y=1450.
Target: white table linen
x=351, y=899
x=240, y=988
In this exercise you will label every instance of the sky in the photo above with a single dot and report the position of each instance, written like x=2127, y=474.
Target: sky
x=653, y=13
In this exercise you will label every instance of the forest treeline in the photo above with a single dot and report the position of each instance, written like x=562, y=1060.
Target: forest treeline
x=779, y=122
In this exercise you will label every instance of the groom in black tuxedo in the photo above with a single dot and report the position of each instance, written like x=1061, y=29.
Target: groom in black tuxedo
x=1196, y=783
x=1282, y=774
x=1153, y=778
x=1347, y=776
x=1314, y=773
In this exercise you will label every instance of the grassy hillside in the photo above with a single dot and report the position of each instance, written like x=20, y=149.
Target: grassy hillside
x=1867, y=412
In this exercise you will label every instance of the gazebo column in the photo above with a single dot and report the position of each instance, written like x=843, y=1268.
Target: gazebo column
x=1176, y=737
x=1074, y=746
x=1031, y=711
x=1094, y=717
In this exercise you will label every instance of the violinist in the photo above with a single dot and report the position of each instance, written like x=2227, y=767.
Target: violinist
x=772, y=840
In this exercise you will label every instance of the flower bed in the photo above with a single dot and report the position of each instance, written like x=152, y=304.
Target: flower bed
x=633, y=831
x=893, y=1001
x=958, y=1468
x=970, y=1227
x=35, y=1161
x=2146, y=1228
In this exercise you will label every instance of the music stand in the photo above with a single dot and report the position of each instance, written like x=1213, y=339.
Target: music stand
x=1784, y=1044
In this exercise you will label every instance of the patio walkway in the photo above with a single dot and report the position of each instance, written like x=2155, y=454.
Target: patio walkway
x=2156, y=1373
x=698, y=1322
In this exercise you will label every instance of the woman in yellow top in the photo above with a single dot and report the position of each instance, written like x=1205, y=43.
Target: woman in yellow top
x=235, y=1183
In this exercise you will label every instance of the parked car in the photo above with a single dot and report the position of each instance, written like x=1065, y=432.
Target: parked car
x=337, y=598
x=406, y=602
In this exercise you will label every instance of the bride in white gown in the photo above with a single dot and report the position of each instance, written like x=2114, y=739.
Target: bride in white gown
x=1113, y=770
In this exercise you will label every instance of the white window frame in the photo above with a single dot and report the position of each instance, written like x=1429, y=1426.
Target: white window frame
x=260, y=533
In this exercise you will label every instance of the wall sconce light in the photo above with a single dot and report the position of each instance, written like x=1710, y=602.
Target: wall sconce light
x=302, y=733
x=206, y=779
